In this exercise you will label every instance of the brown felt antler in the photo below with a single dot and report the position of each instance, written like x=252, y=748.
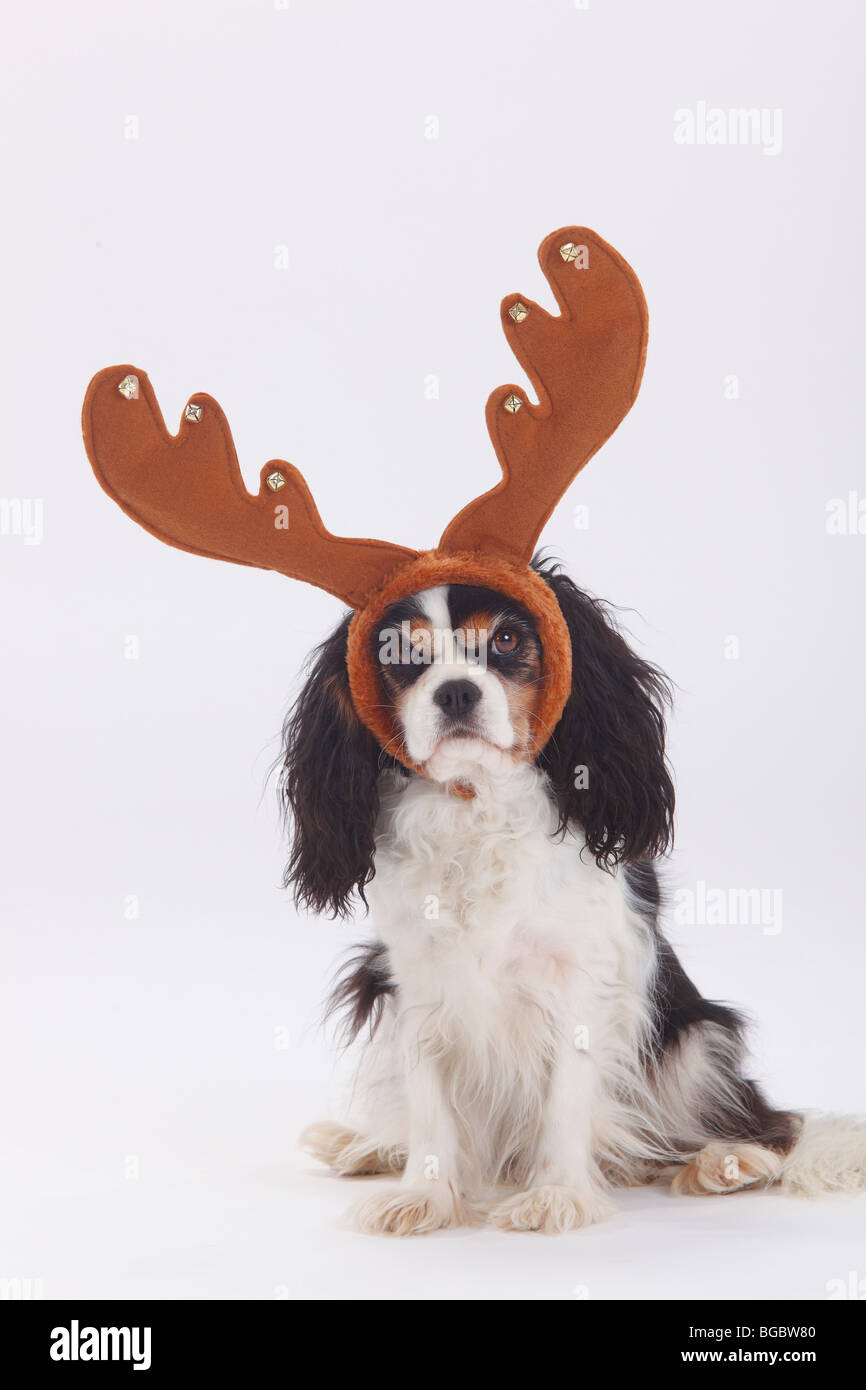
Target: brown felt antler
x=187, y=489
x=585, y=366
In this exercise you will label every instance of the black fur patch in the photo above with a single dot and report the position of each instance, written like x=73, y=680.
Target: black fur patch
x=329, y=786
x=360, y=991
x=397, y=675
x=678, y=1006
x=614, y=726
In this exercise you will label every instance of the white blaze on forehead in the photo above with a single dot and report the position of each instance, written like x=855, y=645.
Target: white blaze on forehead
x=434, y=605
x=422, y=721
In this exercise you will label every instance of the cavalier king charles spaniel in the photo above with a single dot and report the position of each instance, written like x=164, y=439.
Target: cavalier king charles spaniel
x=530, y=1039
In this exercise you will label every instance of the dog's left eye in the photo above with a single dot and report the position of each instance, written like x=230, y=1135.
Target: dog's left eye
x=505, y=642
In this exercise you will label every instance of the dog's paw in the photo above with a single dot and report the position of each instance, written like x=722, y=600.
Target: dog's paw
x=349, y=1153
x=552, y=1209
x=720, y=1168
x=409, y=1211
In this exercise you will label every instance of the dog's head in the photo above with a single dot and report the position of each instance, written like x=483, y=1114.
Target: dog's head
x=462, y=674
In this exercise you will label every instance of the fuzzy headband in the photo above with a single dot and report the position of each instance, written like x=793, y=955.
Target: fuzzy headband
x=585, y=366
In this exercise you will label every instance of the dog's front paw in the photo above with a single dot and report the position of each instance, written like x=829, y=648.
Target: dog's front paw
x=409, y=1211
x=552, y=1209
x=350, y=1153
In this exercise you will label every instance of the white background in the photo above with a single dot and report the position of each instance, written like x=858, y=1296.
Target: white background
x=154, y=1045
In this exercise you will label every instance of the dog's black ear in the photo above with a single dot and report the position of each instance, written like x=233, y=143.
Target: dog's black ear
x=329, y=786
x=606, y=756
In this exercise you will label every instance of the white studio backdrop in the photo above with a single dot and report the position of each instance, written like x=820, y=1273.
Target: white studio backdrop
x=311, y=211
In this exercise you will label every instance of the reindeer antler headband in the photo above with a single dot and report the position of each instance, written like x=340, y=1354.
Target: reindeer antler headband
x=585, y=366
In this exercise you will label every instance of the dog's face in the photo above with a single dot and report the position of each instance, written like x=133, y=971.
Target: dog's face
x=461, y=668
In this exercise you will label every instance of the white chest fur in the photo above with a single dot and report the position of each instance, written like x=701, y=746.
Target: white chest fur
x=514, y=956
x=512, y=940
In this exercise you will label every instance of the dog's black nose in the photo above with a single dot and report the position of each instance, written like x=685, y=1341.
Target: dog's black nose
x=456, y=698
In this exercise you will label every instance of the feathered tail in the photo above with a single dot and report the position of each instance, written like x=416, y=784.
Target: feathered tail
x=828, y=1156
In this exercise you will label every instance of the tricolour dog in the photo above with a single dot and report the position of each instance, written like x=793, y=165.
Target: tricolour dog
x=530, y=1039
